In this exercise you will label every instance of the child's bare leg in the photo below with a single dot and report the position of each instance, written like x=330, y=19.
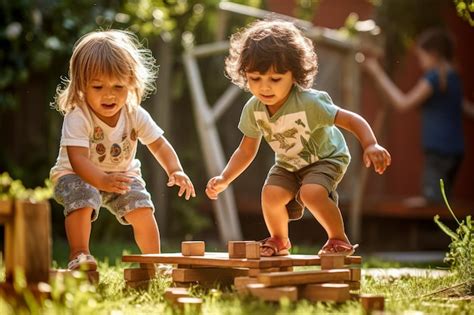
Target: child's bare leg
x=78, y=231
x=274, y=199
x=316, y=199
x=145, y=230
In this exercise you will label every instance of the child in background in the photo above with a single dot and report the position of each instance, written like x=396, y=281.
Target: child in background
x=277, y=63
x=439, y=94
x=109, y=75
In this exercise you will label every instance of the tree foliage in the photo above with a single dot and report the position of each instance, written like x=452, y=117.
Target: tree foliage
x=465, y=9
x=402, y=21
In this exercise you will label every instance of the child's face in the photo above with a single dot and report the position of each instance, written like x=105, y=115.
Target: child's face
x=271, y=88
x=106, y=96
x=427, y=60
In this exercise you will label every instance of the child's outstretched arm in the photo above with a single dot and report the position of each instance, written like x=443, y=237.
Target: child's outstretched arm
x=239, y=161
x=82, y=166
x=168, y=159
x=397, y=98
x=373, y=152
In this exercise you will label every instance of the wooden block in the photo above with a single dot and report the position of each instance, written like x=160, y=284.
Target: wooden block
x=356, y=274
x=6, y=208
x=240, y=284
x=332, y=262
x=92, y=276
x=208, y=274
x=372, y=302
x=190, y=305
x=137, y=274
x=303, y=277
x=273, y=294
x=252, y=250
x=290, y=268
x=237, y=249
x=172, y=294
x=333, y=292
x=28, y=241
x=193, y=248
x=253, y=272
x=353, y=285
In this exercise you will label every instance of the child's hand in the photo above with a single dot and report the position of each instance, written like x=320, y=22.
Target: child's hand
x=215, y=186
x=116, y=183
x=378, y=156
x=185, y=185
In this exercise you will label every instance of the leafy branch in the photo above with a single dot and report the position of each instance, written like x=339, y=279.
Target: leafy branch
x=14, y=189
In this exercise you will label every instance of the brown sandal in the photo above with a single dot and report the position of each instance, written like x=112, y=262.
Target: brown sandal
x=276, y=245
x=337, y=247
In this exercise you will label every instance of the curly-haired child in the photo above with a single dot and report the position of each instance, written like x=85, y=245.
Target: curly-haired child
x=277, y=63
x=110, y=73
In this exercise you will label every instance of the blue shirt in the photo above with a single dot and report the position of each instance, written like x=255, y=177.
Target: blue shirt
x=442, y=115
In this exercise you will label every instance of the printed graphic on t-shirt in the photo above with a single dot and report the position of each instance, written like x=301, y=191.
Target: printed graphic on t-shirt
x=117, y=151
x=289, y=137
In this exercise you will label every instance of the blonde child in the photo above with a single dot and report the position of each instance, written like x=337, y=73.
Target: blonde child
x=110, y=73
x=439, y=95
x=277, y=64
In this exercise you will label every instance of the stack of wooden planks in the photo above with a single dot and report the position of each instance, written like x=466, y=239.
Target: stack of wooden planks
x=268, y=278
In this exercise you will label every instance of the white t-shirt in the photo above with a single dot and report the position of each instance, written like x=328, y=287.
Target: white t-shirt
x=112, y=149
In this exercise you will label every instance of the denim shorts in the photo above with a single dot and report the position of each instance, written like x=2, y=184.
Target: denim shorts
x=74, y=193
x=324, y=173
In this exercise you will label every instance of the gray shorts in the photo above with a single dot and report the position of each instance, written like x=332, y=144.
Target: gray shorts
x=74, y=193
x=324, y=173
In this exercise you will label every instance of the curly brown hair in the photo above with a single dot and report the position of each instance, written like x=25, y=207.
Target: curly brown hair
x=266, y=44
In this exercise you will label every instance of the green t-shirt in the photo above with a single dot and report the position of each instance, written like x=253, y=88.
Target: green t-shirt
x=301, y=132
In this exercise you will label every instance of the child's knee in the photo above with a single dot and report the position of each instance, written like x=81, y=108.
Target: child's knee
x=276, y=195
x=313, y=192
x=137, y=216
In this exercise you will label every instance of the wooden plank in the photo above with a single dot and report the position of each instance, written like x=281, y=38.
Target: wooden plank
x=219, y=259
x=333, y=292
x=29, y=241
x=240, y=284
x=303, y=277
x=208, y=274
x=273, y=294
x=190, y=305
x=193, y=248
x=255, y=272
x=172, y=294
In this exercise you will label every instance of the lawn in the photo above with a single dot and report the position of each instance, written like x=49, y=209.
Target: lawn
x=427, y=292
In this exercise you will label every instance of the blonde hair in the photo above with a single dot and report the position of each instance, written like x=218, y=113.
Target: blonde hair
x=271, y=43
x=113, y=53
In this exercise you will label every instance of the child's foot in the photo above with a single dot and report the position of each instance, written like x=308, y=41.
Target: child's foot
x=85, y=262
x=274, y=246
x=337, y=247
